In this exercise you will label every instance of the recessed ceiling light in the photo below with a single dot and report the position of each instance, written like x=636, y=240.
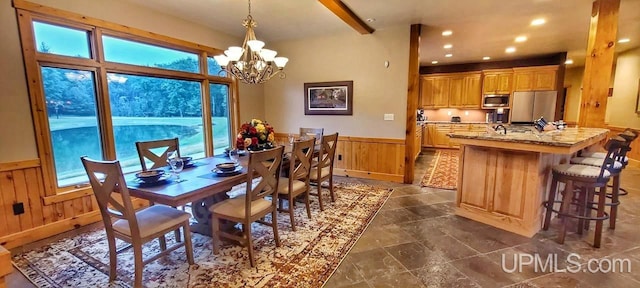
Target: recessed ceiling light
x=624, y=40
x=486, y=58
x=447, y=33
x=521, y=39
x=510, y=49
x=448, y=46
x=568, y=62
x=538, y=22
x=448, y=55
x=371, y=20
x=434, y=62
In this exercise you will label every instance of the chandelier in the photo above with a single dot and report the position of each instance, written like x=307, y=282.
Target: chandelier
x=251, y=63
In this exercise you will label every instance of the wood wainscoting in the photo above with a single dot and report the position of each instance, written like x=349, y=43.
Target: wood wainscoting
x=45, y=213
x=5, y=266
x=370, y=158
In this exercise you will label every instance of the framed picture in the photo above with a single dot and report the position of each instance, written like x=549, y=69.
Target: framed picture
x=328, y=98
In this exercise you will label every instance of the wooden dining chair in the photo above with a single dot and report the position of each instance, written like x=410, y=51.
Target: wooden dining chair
x=134, y=227
x=323, y=171
x=146, y=152
x=312, y=132
x=263, y=173
x=298, y=181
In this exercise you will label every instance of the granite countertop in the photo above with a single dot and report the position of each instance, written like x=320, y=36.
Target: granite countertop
x=565, y=138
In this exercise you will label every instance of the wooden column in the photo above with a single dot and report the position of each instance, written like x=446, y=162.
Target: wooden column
x=5, y=265
x=599, y=63
x=413, y=92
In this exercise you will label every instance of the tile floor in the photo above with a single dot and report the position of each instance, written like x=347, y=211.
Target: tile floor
x=416, y=241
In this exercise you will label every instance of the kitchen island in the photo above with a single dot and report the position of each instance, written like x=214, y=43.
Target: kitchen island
x=504, y=179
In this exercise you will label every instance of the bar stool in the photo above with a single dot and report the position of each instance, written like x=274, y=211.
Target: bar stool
x=615, y=171
x=589, y=178
x=628, y=134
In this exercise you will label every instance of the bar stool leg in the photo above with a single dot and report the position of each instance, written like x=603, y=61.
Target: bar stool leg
x=601, y=201
x=582, y=207
x=564, y=208
x=615, y=201
x=550, y=202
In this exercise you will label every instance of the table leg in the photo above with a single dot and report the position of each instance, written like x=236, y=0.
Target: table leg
x=200, y=211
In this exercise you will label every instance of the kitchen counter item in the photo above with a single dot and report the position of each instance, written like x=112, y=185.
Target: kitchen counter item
x=456, y=119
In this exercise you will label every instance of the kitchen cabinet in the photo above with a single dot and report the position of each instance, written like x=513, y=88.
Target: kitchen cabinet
x=441, y=140
x=417, y=144
x=541, y=78
x=434, y=92
x=459, y=90
x=428, y=132
x=497, y=81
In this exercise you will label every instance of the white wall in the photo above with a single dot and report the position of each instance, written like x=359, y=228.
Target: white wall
x=340, y=57
x=17, y=141
x=621, y=108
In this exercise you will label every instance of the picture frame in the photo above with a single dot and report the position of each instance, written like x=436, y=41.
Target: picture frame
x=328, y=98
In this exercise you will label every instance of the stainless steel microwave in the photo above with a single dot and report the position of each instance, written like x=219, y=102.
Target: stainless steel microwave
x=495, y=100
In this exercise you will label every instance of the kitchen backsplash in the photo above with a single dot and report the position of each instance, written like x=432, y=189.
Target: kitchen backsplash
x=445, y=114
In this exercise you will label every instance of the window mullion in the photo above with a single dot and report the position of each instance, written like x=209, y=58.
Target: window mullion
x=104, y=107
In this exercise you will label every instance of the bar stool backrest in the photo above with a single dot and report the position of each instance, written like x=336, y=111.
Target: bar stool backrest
x=614, y=147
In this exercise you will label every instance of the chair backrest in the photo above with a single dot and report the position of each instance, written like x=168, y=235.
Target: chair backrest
x=300, y=160
x=312, y=132
x=614, y=147
x=327, y=152
x=106, y=178
x=146, y=151
x=264, y=167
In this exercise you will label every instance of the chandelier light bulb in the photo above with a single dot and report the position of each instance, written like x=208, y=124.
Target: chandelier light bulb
x=255, y=45
x=240, y=65
x=260, y=65
x=268, y=54
x=234, y=53
x=281, y=61
x=221, y=60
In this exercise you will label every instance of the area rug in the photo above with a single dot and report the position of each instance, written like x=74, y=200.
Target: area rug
x=306, y=258
x=443, y=171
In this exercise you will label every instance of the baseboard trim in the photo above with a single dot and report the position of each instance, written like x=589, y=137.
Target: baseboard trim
x=399, y=178
x=41, y=232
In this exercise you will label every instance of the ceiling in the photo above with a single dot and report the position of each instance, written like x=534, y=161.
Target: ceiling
x=480, y=27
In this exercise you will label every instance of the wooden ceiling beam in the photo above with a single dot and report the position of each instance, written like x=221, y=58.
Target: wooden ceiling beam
x=347, y=15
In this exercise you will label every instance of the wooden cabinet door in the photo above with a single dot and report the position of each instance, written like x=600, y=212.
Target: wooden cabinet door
x=428, y=132
x=426, y=92
x=490, y=83
x=545, y=80
x=417, y=144
x=441, y=139
x=441, y=92
x=472, y=92
x=505, y=81
x=523, y=81
x=456, y=92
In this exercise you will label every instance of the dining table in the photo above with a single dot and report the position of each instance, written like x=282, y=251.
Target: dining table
x=200, y=186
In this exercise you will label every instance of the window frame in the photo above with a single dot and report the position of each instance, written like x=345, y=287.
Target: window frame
x=28, y=13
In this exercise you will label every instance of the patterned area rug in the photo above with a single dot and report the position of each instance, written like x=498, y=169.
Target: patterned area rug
x=306, y=258
x=443, y=171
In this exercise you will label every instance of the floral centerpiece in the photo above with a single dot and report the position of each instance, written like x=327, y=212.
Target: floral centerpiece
x=255, y=135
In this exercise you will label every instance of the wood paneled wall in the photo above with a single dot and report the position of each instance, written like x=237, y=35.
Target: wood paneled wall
x=5, y=266
x=45, y=213
x=371, y=158
x=634, y=154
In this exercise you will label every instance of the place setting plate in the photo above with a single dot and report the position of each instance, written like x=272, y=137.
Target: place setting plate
x=227, y=169
x=151, y=178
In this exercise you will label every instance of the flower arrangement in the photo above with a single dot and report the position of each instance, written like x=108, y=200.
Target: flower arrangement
x=255, y=135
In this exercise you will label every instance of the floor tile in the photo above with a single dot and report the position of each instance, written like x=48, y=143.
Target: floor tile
x=450, y=248
x=404, y=279
x=414, y=255
x=376, y=263
x=484, y=272
x=443, y=275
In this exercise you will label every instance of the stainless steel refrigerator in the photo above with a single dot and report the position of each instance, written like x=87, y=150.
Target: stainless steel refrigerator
x=529, y=106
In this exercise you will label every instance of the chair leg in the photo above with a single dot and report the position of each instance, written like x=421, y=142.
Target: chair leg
x=582, y=207
x=601, y=201
x=333, y=197
x=564, y=208
x=274, y=224
x=614, y=202
x=188, y=245
x=138, y=265
x=250, y=244
x=177, y=231
x=113, y=259
x=552, y=197
x=215, y=229
x=320, y=197
x=163, y=242
x=307, y=203
x=293, y=221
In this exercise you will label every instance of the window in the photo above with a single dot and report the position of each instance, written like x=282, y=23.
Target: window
x=100, y=108
x=135, y=53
